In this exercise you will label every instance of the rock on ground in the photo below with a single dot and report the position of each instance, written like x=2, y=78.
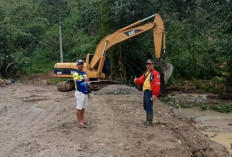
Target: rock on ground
x=117, y=90
x=4, y=82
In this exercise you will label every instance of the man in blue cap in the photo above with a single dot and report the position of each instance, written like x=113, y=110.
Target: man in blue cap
x=81, y=92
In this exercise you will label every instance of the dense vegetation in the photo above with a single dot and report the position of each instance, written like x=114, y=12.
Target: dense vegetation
x=218, y=106
x=199, y=36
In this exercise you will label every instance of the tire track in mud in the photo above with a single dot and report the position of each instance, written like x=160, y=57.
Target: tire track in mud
x=108, y=138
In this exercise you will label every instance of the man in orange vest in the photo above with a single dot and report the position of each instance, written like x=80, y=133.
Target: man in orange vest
x=151, y=87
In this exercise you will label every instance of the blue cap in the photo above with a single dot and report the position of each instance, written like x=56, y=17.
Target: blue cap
x=79, y=61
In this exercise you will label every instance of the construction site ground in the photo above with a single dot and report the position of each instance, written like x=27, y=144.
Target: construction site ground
x=40, y=121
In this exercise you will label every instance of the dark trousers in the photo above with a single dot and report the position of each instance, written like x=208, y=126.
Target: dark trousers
x=147, y=101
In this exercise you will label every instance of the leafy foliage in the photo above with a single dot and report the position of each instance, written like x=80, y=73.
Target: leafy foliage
x=199, y=35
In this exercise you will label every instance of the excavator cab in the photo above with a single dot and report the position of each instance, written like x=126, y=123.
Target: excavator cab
x=106, y=66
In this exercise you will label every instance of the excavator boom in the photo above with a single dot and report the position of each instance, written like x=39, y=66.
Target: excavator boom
x=130, y=32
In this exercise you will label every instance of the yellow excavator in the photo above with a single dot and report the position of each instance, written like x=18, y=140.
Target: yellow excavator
x=94, y=65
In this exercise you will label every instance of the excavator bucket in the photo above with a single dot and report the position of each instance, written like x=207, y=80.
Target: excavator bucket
x=167, y=69
x=159, y=36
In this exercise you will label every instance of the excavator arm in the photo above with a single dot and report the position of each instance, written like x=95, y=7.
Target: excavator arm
x=126, y=33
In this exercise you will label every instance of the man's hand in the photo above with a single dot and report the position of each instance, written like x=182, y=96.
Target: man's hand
x=88, y=96
x=135, y=79
x=154, y=97
x=86, y=79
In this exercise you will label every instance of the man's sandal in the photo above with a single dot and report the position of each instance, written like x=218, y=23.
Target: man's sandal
x=82, y=126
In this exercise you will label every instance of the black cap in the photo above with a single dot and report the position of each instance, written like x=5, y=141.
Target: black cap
x=79, y=61
x=150, y=61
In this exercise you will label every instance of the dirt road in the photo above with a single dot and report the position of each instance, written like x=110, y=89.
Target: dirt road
x=40, y=121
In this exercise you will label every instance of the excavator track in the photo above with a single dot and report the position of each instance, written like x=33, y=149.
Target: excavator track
x=65, y=86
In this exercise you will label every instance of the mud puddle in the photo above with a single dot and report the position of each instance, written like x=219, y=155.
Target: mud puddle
x=222, y=138
x=217, y=126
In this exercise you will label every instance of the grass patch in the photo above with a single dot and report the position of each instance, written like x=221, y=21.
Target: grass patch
x=223, y=108
x=218, y=107
x=216, y=85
